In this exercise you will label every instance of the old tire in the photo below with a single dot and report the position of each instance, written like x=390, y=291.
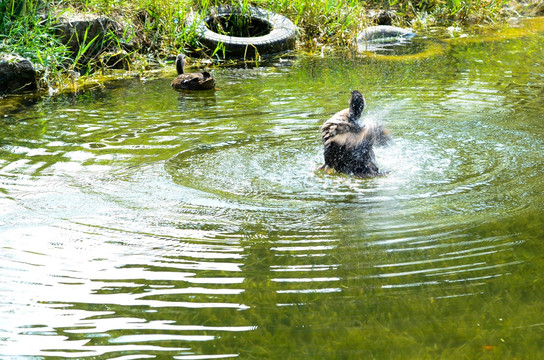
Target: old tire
x=279, y=39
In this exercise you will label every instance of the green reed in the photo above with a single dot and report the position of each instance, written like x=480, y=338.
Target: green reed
x=26, y=29
x=329, y=22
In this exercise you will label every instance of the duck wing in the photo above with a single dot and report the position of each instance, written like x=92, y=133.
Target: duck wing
x=207, y=82
x=353, y=135
x=194, y=81
x=337, y=125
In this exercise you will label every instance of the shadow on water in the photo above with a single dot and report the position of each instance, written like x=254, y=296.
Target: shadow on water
x=138, y=222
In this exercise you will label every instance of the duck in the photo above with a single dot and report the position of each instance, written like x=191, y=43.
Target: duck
x=348, y=145
x=191, y=81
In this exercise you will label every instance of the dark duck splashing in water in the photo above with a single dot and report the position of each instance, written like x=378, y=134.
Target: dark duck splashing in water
x=348, y=146
x=191, y=81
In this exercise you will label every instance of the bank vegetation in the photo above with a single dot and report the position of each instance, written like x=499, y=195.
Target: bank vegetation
x=157, y=29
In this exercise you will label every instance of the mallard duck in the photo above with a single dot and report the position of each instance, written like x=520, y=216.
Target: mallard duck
x=348, y=146
x=191, y=81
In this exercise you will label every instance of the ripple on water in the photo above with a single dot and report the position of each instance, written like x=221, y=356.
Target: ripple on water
x=434, y=180
x=199, y=225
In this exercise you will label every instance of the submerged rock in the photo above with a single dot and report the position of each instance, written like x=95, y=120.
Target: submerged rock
x=384, y=33
x=383, y=38
x=16, y=74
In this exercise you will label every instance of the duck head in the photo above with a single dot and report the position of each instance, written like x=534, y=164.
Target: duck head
x=356, y=105
x=180, y=64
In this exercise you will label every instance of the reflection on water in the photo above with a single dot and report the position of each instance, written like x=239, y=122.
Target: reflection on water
x=136, y=222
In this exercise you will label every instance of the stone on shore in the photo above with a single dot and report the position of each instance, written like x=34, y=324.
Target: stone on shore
x=78, y=30
x=16, y=74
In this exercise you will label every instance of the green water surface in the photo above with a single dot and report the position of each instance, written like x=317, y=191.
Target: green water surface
x=136, y=222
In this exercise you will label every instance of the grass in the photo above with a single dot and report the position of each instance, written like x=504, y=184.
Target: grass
x=24, y=32
x=27, y=26
x=330, y=22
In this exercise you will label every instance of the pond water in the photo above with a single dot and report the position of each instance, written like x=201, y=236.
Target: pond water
x=136, y=222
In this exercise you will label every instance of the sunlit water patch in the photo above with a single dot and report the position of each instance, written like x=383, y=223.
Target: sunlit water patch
x=136, y=222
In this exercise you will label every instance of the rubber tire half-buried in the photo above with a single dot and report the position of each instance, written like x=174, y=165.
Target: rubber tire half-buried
x=279, y=39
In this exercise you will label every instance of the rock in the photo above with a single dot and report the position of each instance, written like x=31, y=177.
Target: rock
x=383, y=38
x=76, y=31
x=384, y=33
x=16, y=74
